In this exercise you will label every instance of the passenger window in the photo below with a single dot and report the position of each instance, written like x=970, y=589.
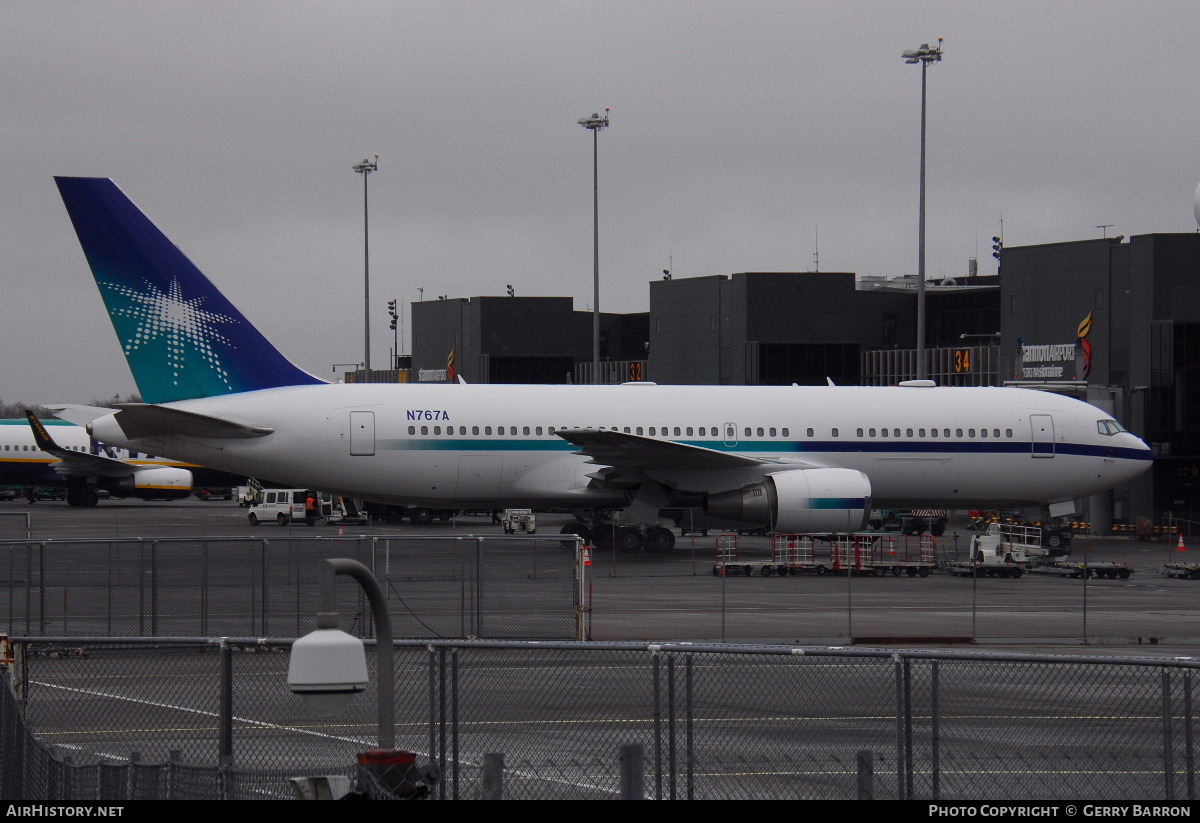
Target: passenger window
x=512, y=430
x=487, y=429
x=958, y=432
x=638, y=430
x=689, y=431
x=424, y=430
x=771, y=431
x=525, y=430
x=759, y=431
x=945, y=432
x=995, y=432
x=883, y=432
x=652, y=430
x=1008, y=432
x=970, y=432
x=983, y=432
x=747, y=431
x=908, y=432
x=860, y=432
x=871, y=432
x=920, y=432
x=537, y=430
x=437, y=429
x=412, y=429
x=834, y=432
x=474, y=430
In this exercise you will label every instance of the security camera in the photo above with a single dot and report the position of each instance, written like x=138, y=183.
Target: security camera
x=327, y=668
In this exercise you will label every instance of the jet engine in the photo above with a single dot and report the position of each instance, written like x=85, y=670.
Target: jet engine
x=157, y=484
x=799, y=501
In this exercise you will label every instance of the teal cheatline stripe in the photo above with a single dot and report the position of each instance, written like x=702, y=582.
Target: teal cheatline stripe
x=12, y=421
x=459, y=445
x=837, y=503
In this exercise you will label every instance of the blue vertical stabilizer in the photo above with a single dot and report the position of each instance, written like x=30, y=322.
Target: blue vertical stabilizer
x=181, y=337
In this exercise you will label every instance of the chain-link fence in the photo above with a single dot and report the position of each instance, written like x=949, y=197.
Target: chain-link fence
x=499, y=587
x=211, y=718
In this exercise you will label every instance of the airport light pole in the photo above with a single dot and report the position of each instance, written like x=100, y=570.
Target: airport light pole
x=594, y=124
x=365, y=168
x=924, y=55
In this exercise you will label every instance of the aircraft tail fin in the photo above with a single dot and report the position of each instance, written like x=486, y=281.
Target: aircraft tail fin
x=181, y=337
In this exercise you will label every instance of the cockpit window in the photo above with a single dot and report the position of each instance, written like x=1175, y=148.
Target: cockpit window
x=1109, y=427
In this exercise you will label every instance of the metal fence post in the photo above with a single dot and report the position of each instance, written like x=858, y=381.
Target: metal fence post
x=671, y=765
x=908, y=730
x=225, y=715
x=866, y=774
x=154, y=588
x=1187, y=735
x=898, y=672
x=1168, y=742
x=633, y=772
x=689, y=711
x=656, y=680
x=493, y=777
x=935, y=731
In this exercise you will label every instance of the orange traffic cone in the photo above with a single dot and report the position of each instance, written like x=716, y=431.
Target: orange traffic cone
x=1180, y=546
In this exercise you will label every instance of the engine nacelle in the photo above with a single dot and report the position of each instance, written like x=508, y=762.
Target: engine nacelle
x=162, y=483
x=799, y=501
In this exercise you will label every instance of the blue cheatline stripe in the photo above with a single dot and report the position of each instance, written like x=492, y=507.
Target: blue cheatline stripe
x=1017, y=447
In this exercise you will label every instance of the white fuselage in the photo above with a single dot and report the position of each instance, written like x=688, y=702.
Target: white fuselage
x=489, y=445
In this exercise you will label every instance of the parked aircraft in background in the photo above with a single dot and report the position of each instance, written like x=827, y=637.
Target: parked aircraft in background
x=793, y=459
x=60, y=455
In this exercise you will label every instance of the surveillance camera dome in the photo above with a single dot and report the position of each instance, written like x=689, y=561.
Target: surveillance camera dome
x=327, y=668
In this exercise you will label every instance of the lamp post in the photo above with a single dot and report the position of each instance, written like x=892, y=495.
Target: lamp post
x=365, y=168
x=924, y=55
x=594, y=124
x=328, y=666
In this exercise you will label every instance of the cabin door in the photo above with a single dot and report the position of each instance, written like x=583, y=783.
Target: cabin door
x=362, y=433
x=1042, y=435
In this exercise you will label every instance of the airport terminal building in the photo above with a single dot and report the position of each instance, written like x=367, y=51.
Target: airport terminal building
x=1113, y=321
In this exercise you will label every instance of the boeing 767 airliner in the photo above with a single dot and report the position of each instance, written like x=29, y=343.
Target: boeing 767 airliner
x=792, y=459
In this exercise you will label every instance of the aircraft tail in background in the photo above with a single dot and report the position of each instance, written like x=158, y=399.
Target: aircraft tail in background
x=181, y=337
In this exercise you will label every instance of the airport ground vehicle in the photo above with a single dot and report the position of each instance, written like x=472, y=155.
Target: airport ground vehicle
x=861, y=554
x=9, y=492
x=283, y=506
x=519, y=520
x=213, y=493
x=911, y=521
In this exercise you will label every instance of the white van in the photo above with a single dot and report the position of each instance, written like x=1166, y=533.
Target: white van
x=285, y=505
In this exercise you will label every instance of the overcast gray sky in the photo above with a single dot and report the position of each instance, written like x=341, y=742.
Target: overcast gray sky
x=745, y=136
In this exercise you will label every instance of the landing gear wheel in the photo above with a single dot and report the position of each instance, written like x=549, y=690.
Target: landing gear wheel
x=602, y=537
x=421, y=517
x=576, y=528
x=660, y=540
x=629, y=539
x=84, y=498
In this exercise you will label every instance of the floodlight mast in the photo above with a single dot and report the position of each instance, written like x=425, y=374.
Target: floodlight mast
x=594, y=124
x=924, y=55
x=365, y=168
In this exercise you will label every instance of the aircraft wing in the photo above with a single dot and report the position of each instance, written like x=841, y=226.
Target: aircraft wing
x=631, y=459
x=76, y=463
x=142, y=420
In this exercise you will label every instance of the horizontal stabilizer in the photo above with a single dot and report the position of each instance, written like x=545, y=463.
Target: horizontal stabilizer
x=140, y=420
x=79, y=415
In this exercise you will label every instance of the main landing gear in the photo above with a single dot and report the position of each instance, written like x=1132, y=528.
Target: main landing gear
x=603, y=534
